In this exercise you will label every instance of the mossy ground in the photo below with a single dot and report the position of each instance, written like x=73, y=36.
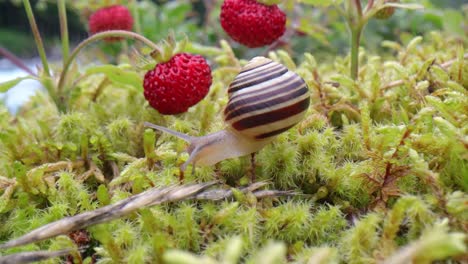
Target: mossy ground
x=380, y=170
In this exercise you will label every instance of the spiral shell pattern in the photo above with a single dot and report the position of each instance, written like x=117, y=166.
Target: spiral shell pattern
x=265, y=99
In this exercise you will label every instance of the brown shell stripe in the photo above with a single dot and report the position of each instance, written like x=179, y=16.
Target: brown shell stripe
x=266, y=86
x=290, y=87
x=277, y=72
x=282, y=113
x=267, y=118
x=266, y=96
x=254, y=64
x=271, y=103
x=266, y=126
x=266, y=99
x=269, y=130
x=255, y=71
x=274, y=132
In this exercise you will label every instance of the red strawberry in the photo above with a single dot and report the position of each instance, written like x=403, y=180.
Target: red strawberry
x=251, y=23
x=174, y=86
x=116, y=17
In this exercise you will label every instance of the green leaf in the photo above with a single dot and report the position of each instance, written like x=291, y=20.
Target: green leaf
x=316, y=31
x=286, y=59
x=413, y=43
x=405, y=6
x=424, y=68
x=103, y=195
x=442, y=108
x=177, y=11
x=343, y=80
x=434, y=18
x=453, y=21
x=324, y=3
x=5, y=86
x=391, y=45
x=117, y=75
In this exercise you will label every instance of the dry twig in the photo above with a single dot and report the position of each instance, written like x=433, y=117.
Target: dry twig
x=33, y=256
x=151, y=197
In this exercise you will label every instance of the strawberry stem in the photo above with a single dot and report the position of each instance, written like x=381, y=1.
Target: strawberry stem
x=86, y=42
x=168, y=48
x=63, y=29
x=357, y=5
x=370, y=4
x=37, y=37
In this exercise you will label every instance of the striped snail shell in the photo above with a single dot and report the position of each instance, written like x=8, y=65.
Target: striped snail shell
x=265, y=99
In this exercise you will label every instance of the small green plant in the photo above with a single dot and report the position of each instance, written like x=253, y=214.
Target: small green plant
x=357, y=16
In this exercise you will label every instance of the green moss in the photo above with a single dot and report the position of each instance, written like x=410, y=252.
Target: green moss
x=361, y=240
x=287, y=222
x=326, y=226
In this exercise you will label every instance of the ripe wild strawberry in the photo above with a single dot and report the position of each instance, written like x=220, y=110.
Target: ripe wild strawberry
x=116, y=17
x=251, y=23
x=386, y=12
x=174, y=86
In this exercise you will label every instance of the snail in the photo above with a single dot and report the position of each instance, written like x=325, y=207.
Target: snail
x=265, y=99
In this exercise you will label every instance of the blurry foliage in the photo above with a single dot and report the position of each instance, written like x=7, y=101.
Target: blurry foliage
x=17, y=42
x=381, y=164
x=15, y=33
x=319, y=30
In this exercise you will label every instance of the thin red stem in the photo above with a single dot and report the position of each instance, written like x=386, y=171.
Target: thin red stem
x=15, y=60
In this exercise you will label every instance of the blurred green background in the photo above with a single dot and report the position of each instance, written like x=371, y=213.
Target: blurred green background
x=325, y=32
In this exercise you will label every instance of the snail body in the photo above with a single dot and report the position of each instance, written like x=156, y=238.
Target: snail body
x=265, y=99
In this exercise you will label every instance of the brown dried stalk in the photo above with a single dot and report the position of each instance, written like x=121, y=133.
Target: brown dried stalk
x=148, y=198
x=33, y=256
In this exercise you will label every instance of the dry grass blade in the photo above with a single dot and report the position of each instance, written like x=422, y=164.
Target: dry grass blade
x=133, y=203
x=216, y=195
x=110, y=212
x=33, y=256
x=273, y=193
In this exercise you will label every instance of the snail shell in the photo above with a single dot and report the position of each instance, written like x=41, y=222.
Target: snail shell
x=265, y=99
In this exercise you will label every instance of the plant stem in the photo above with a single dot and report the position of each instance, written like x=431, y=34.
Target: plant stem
x=136, y=16
x=357, y=5
x=63, y=29
x=16, y=61
x=84, y=43
x=37, y=36
x=355, y=22
x=355, y=40
x=370, y=4
x=149, y=140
